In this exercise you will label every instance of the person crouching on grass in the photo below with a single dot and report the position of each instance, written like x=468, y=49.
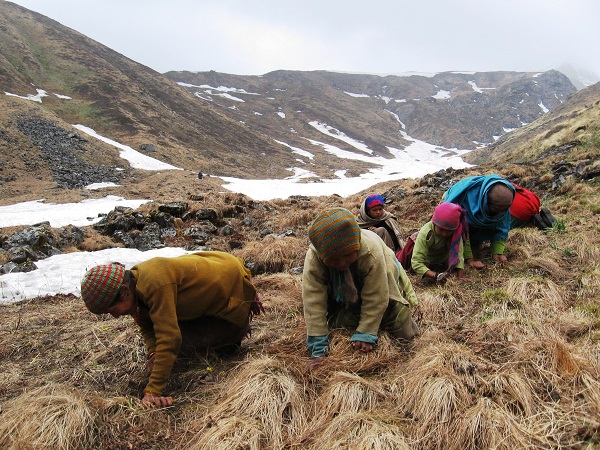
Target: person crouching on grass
x=351, y=279
x=372, y=216
x=202, y=300
x=437, y=250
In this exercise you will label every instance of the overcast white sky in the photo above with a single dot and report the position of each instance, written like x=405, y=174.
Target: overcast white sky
x=376, y=36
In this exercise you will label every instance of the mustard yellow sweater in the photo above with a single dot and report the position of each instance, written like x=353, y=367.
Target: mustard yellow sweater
x=170, y=290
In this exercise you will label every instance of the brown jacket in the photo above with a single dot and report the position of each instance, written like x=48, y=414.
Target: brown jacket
x=170, y=290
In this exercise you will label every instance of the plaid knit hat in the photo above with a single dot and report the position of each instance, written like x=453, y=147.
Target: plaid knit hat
x=374, y=200
x=334, y=231
x=100, y=285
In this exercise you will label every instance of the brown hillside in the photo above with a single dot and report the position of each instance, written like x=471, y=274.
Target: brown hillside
x=121, y=98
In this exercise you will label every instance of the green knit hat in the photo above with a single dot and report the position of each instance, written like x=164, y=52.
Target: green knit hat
x=100, y=285
x=334, y=231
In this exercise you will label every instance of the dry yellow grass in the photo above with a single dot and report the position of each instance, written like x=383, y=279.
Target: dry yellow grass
x=228, y=433
x=48, y=417
x=264, y=390
x=488, y=425
x=357, y=430
x=273, y=254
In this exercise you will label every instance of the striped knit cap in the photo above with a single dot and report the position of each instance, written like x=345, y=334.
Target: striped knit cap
x=334, y=231
x=100, y=285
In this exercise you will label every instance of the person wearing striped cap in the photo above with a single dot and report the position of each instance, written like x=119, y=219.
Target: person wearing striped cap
x=197, y=300
x=352, y=280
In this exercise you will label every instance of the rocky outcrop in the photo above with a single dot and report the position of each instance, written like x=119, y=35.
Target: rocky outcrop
x=64, y=154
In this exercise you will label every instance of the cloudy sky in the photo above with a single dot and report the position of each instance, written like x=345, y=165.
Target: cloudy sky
x=376, y=36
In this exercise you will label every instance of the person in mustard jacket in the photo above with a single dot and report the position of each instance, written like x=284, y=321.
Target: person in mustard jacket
x=352, y=280
x=202, y=299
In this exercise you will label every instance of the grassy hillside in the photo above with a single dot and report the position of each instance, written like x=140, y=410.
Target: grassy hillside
x=510, y=359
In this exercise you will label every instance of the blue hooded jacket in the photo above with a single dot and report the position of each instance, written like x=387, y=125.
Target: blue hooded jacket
x=471, y=194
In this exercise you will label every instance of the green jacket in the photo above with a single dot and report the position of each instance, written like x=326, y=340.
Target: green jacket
x=381, y=277
x=170, y=290
x=432, y=250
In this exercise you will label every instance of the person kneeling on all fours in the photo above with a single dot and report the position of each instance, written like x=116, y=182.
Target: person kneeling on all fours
x=198, y=301
x=486, y=200
x=352, y=280
x=436, y=251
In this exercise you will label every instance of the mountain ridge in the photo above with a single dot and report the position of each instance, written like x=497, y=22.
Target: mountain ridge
x=143, y=109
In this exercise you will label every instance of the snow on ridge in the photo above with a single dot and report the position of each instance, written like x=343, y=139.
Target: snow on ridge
x=442, y=95
x=136, y=159
x=34, y=98
x=297, y=150
x=357, y=95
x=397, y=119
x=219, y=88
x=477, y=88
x=337, y=134
x=416, y=160
x=78, y=214
x=37, y=97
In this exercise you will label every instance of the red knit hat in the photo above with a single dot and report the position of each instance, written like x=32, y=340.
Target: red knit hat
x=100, y=285
x=374, y=200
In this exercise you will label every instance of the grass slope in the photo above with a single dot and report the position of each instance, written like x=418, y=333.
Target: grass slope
x=508, y=360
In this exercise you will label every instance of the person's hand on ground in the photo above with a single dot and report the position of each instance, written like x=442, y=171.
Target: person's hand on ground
x=157, y=400
x=363, y=347
x=500, y=259
x=313, y=363
x=475, y=263
x=460, y=274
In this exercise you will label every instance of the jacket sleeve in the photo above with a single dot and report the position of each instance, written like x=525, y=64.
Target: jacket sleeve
x=406, y=288
x=163, y=315
x=418, y=261
x=375, y=295
x=314, y=294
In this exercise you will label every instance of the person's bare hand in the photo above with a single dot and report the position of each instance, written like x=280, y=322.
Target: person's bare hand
x=157, y=400
x=500, y=259
x=460, y=274
x=313, y=363
x=363, y=347
x=475, y=263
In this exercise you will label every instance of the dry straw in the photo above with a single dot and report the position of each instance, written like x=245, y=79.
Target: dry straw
x=512, y=391
x=437, y=386
x=388, y=352
x=358, y=431
x=228, y=433
x=347, y=392
x=488, y=425
x=273, y=254
x=537, y=293
x=439, y=307
x=262, y=389
x=49, y=417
